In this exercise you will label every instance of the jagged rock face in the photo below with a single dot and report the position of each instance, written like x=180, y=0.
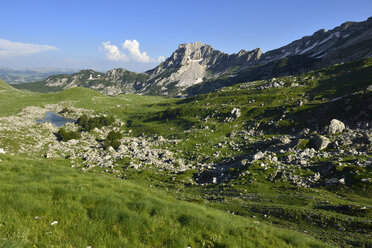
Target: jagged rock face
x=188, y=66
x=193, y=63
x=198, y=66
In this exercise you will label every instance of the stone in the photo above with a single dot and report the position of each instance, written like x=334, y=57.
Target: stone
x=244, y=162
x=336, y=126
x=316, y=176
x=320, y=142
x=2, y=151
x=54, y=223
x=258, y=155
x=236, y=112
x=214, y=180
x=284, y=140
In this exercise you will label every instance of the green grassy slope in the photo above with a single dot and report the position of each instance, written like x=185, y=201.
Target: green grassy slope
x=12, y=100
x=37, y=87
x=325, y=94
x=100, y=211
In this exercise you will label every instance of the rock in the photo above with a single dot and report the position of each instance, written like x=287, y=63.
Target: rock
x=336, y=126
x=316, y=176
x=320, y=142
x=342, y=181
x=214, y=180
x=258, y=155
x=54, y=223
x=284, y=140
x=235, y=112
x=244, y=162
x=2, y=151
x=367, y=138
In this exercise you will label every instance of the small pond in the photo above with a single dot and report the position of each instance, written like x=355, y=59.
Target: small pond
x=55, y=119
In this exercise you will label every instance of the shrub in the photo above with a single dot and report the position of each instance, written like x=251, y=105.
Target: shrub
x=113, y=140
x=112, y=135
x=89, y=124
x=64, y=135
x=171, y=114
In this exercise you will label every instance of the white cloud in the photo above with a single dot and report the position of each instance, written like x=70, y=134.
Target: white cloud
x=113, y=53
x=134, y=53
x=11, y=49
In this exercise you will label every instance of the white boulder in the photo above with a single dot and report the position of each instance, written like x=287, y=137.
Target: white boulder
x=336, y=126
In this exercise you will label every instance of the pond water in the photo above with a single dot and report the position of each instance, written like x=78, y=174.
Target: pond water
x=55, y=119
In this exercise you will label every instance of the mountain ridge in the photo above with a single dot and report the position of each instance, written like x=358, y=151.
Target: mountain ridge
x=195, y=68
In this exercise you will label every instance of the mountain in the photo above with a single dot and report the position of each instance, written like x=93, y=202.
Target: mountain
x=193, y=63
x=196, y=68
x=113, y=82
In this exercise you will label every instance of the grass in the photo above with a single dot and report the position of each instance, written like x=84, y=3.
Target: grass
x=108, y=211
x=100, y=211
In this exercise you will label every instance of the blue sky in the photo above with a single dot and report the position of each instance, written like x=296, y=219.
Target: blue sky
x=137, y=34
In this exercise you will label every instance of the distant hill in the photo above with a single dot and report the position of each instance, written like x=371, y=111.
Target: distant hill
x=20, y=76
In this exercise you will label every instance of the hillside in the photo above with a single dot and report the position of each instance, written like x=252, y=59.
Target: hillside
x=292, y=152
x=75, y=209
x=196, y=68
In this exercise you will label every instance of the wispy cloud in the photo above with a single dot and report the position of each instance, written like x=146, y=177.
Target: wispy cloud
x=134, y=53
x=12, y=49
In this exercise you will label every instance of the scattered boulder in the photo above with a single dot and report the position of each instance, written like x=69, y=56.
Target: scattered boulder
x=336, y=126
x=319, y=142
x=258, y=155
x=284, y=140
x=2, y=151
x=235, y=112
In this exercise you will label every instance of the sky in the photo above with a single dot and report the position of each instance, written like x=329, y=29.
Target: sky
x=138, y=35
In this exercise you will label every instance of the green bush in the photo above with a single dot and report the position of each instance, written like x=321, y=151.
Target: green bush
x=113, y=140
x=171, y=113
x=89, y=124
x=64, y=135
x=112, y=135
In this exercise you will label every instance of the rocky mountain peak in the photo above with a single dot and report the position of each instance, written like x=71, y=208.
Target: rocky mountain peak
x=191, y=52
x=192, y=46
